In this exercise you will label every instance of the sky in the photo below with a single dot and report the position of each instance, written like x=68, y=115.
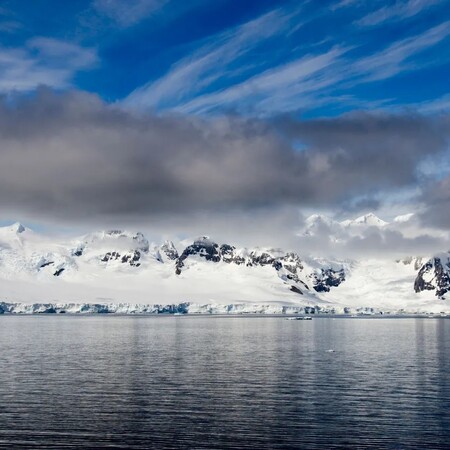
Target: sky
x=237, y=119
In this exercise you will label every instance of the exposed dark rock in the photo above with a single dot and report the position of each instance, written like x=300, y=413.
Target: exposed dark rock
x=263, y=259
x=169, y=250
x=296, y=290
x=59, y=272
x=128, y=258
x=288, y=266
x=229, y=255
x=203, y=247
x=46, y=264
x=437, y=272
x=327, y=279
x=111, y=256
x=292, y=262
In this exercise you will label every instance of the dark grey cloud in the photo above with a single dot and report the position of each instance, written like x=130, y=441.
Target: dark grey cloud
x=370, y=151
x=359, y=206
x=436, y=201
x=72, y=157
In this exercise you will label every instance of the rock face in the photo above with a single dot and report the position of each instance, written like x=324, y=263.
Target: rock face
x=109, y=255
x=169, y=250
x=289, y=266
x=202, y=247
x=434, y=275
x=327, y=279
x=132, y=258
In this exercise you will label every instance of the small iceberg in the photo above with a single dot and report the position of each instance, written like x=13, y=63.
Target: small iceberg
x=300, y=318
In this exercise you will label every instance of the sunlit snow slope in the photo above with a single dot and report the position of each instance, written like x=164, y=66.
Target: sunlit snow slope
x=112, y=267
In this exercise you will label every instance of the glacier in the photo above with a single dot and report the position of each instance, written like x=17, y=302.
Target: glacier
x=118, y=271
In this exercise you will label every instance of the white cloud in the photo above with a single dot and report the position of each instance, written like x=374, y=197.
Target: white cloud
x=404, y=236
x=308, y=81
x=42, y=61
x=311, y=80
x=396, y=58
x=438, y=105
x=127, y=13
x=400, y=10
x=207, y=64
x=275, y=89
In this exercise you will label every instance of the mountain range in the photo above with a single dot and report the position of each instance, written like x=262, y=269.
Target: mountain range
x=118, y=267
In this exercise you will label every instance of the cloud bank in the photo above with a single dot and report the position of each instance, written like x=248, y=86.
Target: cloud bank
x=71, y=157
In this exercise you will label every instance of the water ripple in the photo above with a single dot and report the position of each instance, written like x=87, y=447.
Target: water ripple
x=213, y=383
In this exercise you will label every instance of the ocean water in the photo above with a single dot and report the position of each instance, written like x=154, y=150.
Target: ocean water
x=223, y=382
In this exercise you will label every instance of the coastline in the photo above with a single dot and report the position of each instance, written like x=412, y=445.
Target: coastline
x=230, y=310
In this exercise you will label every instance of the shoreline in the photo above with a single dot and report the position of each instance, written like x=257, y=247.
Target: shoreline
x=233, y=309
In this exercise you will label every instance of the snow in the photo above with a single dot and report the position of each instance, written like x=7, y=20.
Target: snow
x=29, y=261
x=370, y=220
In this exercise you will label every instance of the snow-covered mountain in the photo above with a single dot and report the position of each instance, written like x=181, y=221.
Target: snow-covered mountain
x=434, y=275
x=117, y=267
x=318, y=223
x=370, y=220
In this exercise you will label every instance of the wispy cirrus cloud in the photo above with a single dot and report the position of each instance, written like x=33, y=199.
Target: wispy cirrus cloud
x=42, y=61
x=400, y=10
x=130, y=12
x=320, y=78
x=207, y=64
x=276, y=89
x=8, y=22
x=344, y=4
x=397, y=57
x=438, y=105
x=226, y=72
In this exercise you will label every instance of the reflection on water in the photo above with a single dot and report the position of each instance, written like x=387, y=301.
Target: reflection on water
x=233, y=382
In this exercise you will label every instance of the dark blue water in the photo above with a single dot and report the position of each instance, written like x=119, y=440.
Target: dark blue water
x=211, y=382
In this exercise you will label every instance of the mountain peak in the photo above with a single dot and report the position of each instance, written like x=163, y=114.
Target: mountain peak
x=117, y=239
x=318, y=218
x=17, y=227
x=369, y=219
x=204, y=241
x=169, y=249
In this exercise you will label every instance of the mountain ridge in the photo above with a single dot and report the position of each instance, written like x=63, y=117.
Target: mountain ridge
x=118, y=265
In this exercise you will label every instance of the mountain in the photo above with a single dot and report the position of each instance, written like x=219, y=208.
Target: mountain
x=434, y=275
x=118, y=267
x=321, y=225
x=368, y=220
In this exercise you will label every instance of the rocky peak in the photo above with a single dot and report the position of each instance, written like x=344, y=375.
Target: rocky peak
x=203, y=247
x=325, y=279
x=434, y=275
x=230, y=254
x=17, y=228
x=369, y=219
x=169, y=250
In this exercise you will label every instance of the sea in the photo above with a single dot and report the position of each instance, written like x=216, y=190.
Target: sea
x=215, y=382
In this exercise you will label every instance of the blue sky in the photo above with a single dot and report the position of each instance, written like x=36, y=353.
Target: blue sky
x=254, y=58
x=197, y=114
